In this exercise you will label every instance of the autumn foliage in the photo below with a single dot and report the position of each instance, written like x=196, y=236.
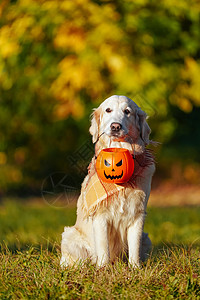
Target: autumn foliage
x=59, y=59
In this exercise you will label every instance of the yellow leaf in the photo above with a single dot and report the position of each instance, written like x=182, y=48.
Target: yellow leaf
x=8, y=43
x=185, y=105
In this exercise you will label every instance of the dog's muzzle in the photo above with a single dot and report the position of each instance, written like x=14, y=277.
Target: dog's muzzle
x=115, y=128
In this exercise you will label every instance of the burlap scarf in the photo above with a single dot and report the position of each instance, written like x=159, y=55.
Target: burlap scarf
x=98, y=193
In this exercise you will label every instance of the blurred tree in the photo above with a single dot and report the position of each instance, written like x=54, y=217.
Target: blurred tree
x=58, y=59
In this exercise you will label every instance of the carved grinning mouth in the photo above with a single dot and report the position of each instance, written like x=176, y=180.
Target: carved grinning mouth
x=113, y=176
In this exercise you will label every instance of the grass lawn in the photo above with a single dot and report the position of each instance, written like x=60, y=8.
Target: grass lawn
x=30, y=234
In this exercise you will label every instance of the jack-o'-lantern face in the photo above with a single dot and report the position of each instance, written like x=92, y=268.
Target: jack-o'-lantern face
x=115, y=165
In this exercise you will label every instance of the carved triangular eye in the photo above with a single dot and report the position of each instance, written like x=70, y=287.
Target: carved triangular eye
x=119, y=163
x=106, y=163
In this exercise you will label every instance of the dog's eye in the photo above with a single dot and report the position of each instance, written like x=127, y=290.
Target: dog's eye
x=106, y=163
x=127, y=111
x=119, y=163
x=108, y=110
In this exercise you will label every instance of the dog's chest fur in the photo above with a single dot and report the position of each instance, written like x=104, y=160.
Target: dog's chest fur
x=121, y=212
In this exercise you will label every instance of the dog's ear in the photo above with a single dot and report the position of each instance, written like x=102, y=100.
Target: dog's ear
x=94, y=128
x=144, y=128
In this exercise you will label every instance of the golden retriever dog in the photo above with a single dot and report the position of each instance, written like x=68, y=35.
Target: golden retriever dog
x=115, y=227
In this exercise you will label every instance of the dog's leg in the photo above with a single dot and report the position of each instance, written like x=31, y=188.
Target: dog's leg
x=100, y=229
x=134, y=237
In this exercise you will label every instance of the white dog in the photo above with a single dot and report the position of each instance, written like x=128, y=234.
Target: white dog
x=115, y=226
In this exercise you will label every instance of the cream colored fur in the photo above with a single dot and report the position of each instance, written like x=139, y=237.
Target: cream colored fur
x=118, y=228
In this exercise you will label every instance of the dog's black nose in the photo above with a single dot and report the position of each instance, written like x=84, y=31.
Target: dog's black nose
x=115, y=127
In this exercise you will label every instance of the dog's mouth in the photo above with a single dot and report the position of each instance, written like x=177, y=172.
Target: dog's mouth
x=120, y=134
x=118, y=137
x=112, y=177
x=116, y=134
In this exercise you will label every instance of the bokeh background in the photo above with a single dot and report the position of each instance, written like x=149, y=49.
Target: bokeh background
x=60, y=59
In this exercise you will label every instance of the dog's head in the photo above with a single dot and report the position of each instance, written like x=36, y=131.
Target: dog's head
x=120, y=119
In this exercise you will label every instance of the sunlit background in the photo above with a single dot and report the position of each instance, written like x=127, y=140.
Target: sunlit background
x=60, y=59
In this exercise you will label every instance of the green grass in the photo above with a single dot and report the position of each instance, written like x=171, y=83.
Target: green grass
x=30, y=234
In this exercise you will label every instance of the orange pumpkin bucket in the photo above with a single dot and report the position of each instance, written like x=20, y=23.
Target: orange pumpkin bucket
x=115, y=165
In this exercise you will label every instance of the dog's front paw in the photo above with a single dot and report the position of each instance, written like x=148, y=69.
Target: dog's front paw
x=135, y=264
x=102, y=261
